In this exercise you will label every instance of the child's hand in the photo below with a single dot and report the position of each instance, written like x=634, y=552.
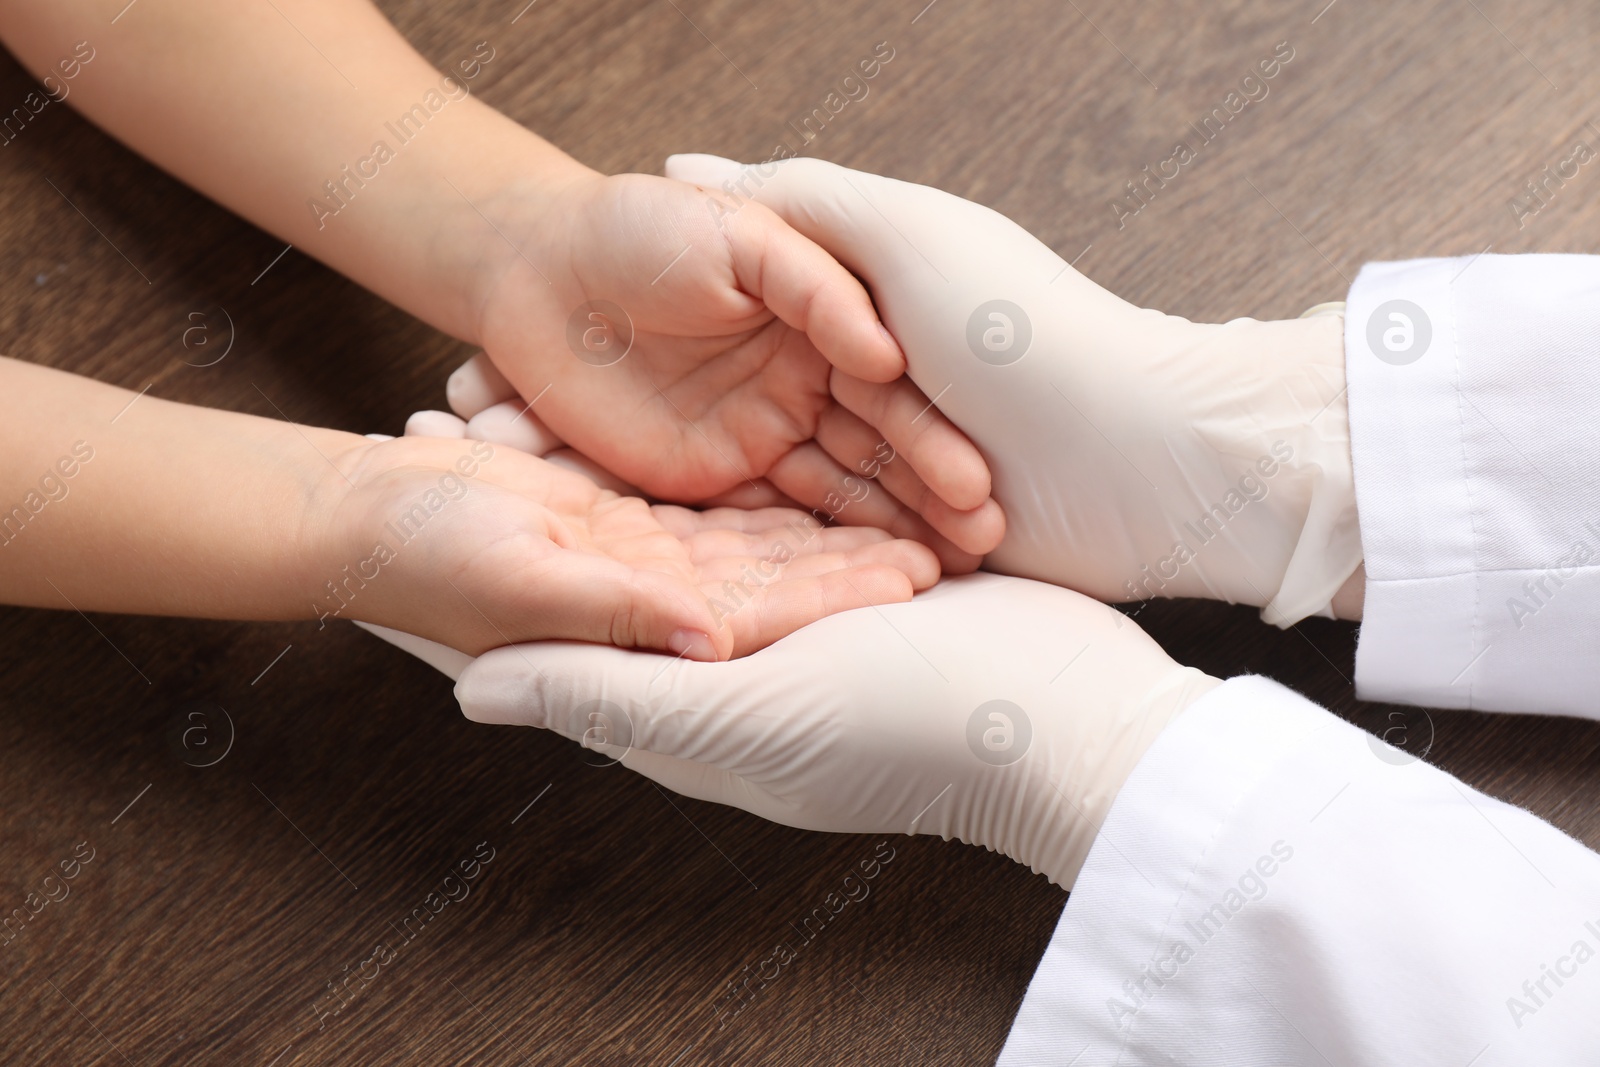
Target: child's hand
x=478, y=546
x=730, y=326
x=495, y=236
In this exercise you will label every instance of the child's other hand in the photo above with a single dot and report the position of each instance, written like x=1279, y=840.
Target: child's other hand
x=725, y=326
x=477, y=546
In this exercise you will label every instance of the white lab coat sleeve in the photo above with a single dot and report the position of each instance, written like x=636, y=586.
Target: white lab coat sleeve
x=1474, y=385
x=1274, y=886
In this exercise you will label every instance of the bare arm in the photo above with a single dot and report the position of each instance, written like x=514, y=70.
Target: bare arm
x=316, y=120
x=112, y=501
x=261, y=105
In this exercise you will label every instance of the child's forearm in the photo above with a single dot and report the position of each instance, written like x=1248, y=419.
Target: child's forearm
x=112, y=501
x=279, y=110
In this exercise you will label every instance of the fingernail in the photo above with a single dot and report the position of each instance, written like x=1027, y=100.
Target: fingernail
x=692, y=644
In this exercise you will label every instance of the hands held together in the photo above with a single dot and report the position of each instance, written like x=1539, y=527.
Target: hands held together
x=1136, y=454
x=710, y=339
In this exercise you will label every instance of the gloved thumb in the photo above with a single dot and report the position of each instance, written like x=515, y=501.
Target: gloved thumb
x=832, y=205
x=702, y=168
x=561, y=686
x=887, y=231
x=658, y=716
x=613, y=700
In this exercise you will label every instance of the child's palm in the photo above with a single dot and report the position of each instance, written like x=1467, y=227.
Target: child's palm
x=525, y=550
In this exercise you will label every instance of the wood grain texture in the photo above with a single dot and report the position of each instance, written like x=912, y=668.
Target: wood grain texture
x=219, y=906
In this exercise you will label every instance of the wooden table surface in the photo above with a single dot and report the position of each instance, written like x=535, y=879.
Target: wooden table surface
x=221, y=901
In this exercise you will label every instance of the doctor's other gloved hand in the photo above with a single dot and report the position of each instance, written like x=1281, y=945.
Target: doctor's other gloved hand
x=999, y=711
x=1136, y=454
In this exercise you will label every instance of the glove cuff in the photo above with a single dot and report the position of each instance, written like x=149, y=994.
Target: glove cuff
x=1328, y=549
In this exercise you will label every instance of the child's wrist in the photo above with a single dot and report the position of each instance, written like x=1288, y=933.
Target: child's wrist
x=493, y=197
x=328, y=541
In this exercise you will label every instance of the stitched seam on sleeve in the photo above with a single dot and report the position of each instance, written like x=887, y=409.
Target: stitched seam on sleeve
x=1466, y=477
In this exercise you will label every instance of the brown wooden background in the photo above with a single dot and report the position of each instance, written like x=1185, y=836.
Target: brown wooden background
x=220, y=904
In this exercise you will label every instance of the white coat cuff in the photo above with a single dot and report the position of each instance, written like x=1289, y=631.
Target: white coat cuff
x=1474, y=384
x=1273, y=885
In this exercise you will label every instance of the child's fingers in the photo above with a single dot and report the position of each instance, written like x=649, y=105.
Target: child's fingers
x=779, y=609
x=856, y=445
x=807, y=288
x=811, y=476
x=794, y=539
x=685, y=522
x=916, y=562
x=593, y=598
x=779, y=535
x=920, y=434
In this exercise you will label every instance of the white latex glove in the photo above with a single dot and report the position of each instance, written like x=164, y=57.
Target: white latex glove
x=1136, y=454
x=487, y=408
x=1003, y=712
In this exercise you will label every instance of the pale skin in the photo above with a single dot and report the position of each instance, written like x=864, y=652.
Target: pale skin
x=490, y=233
x=759, y=375
x=116, y=502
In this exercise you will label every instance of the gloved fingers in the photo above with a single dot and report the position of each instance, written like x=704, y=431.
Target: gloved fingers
x=512, y=423
x=546, y=683
x=441, y=658
x=602, y=699
x=808, y=474
x=702, y=781
x=475, y=385
x=435, y=424
x=855, y=444
x=810, y=291
x=614, y=701
x=703, y=168
x=658, y=715
x=896, y=236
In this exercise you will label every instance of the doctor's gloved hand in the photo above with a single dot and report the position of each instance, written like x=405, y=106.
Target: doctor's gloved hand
x=1003, y=712
x=1136, y=454
x=693, y=360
